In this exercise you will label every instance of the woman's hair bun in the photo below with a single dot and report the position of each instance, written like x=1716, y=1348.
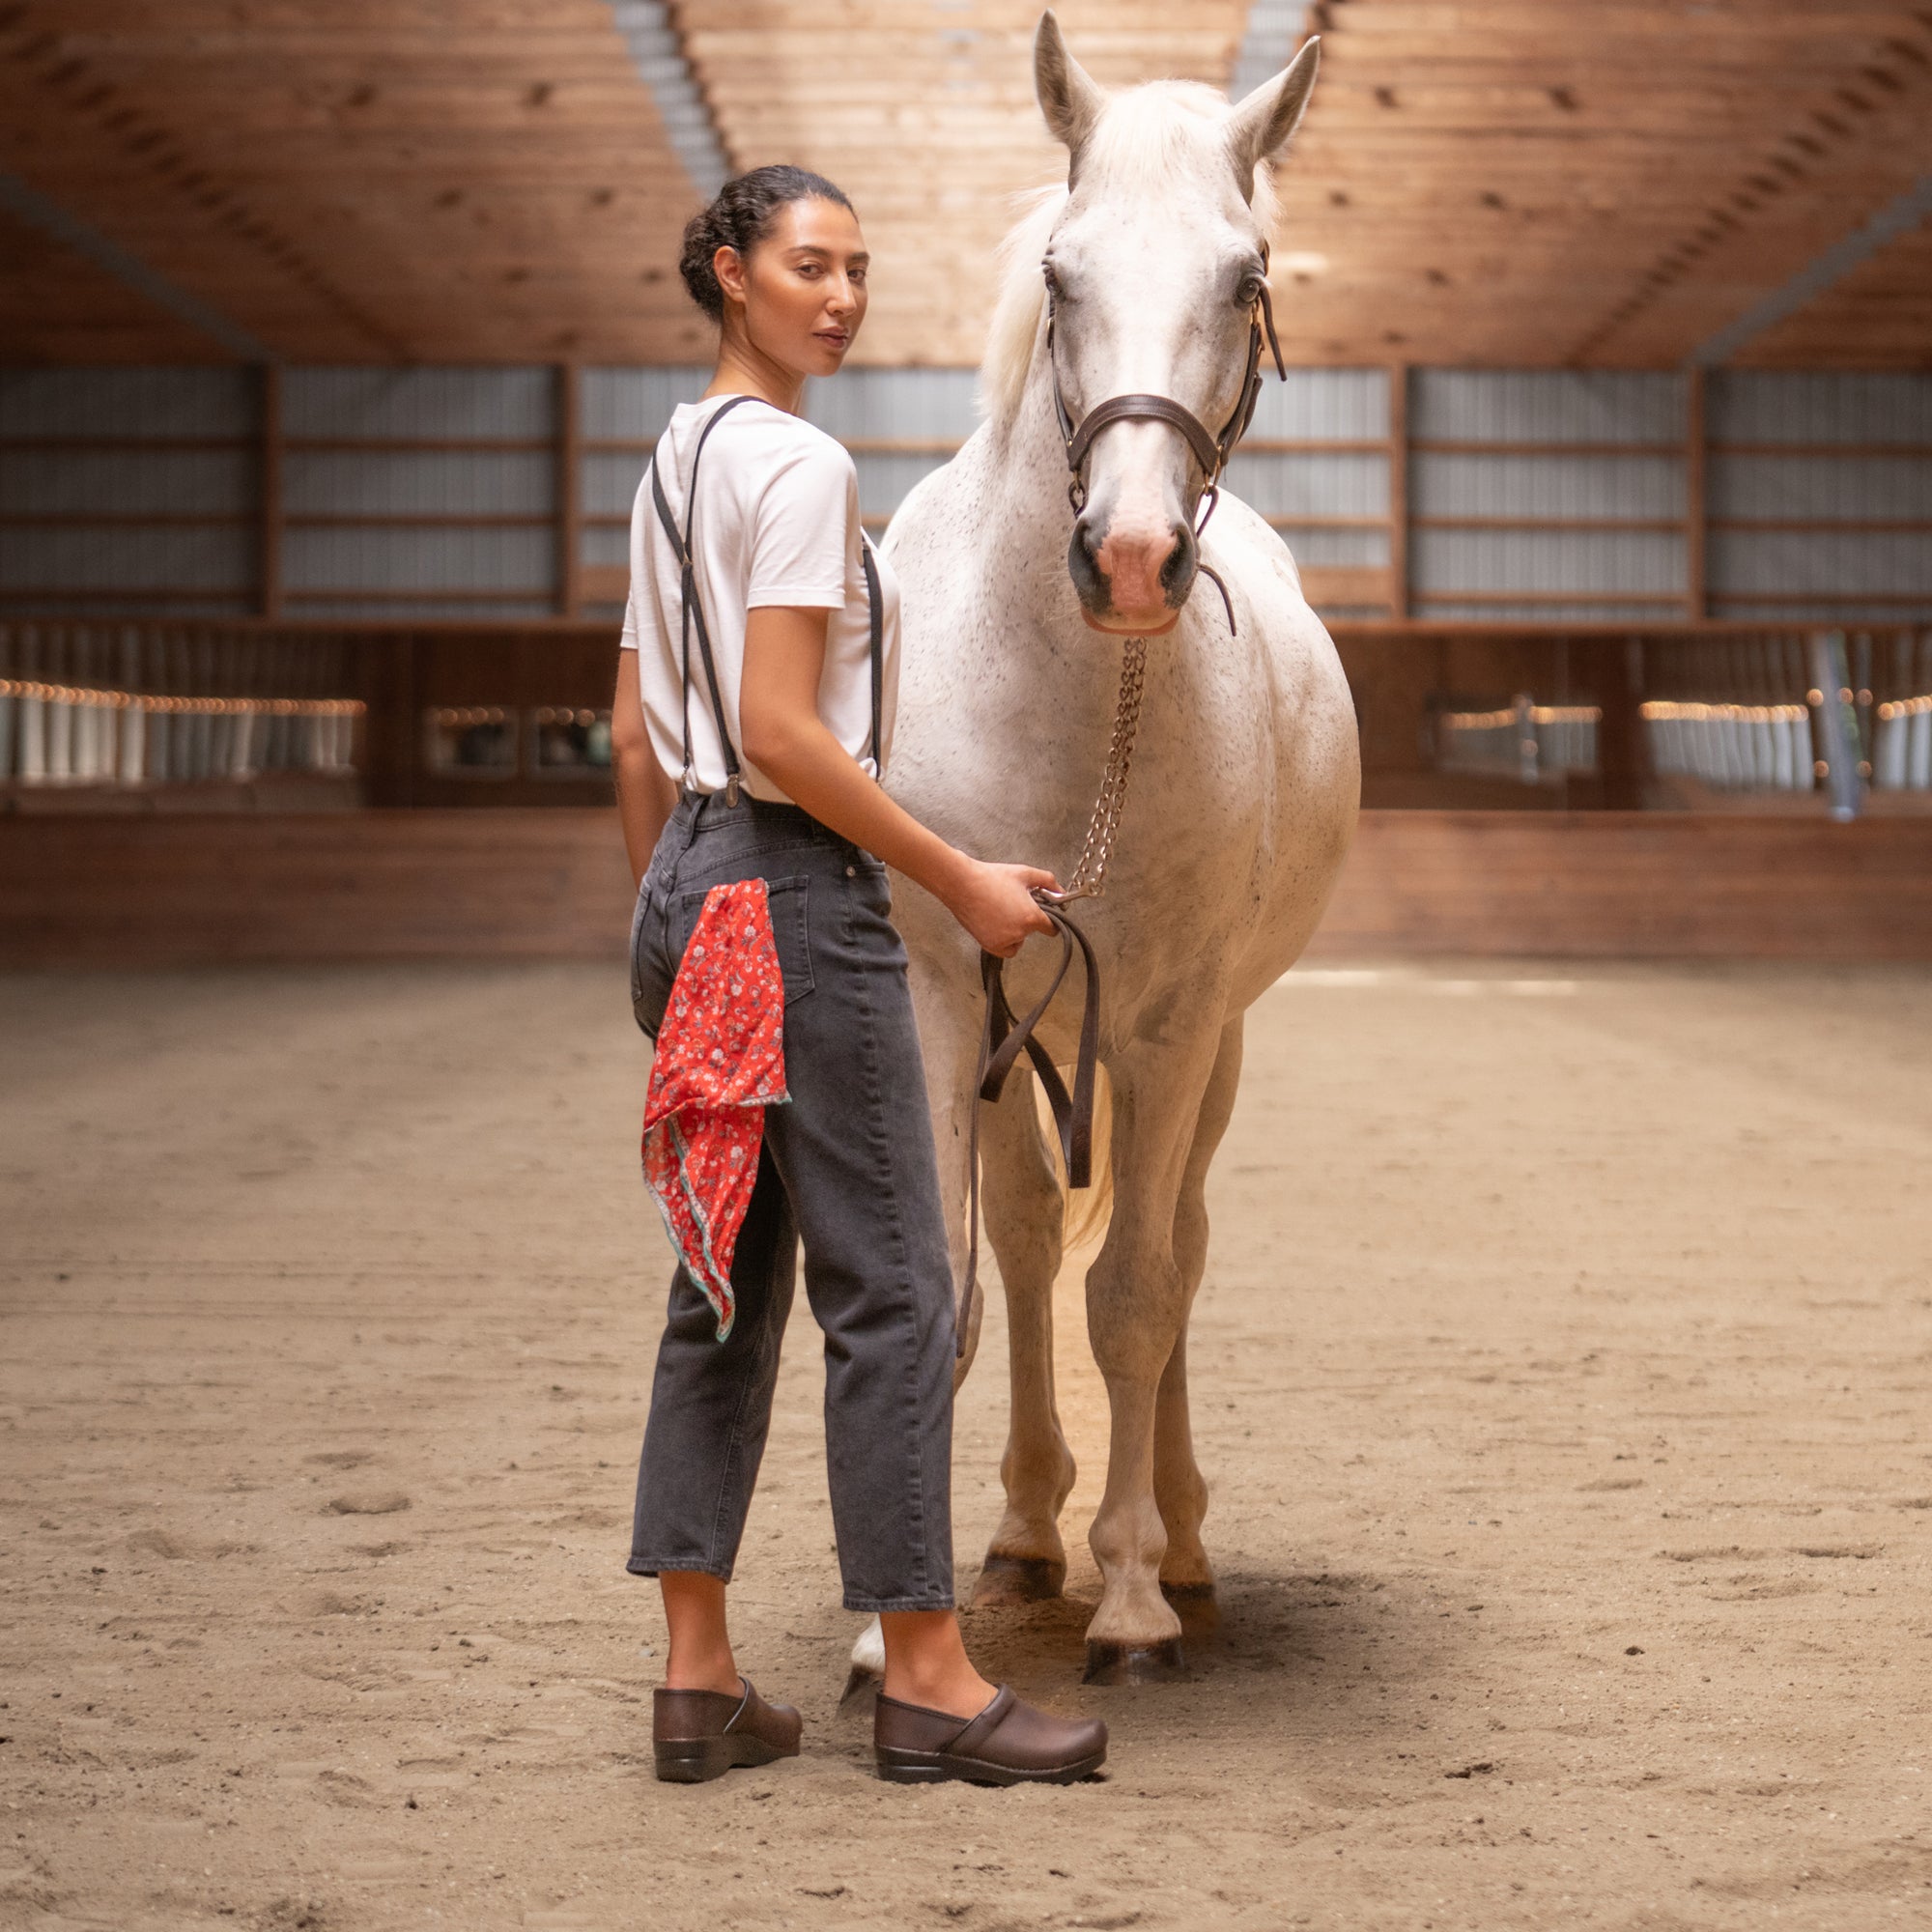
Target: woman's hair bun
x=740, y=217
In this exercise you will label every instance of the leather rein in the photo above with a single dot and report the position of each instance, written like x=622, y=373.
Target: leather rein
x=1005, y=1036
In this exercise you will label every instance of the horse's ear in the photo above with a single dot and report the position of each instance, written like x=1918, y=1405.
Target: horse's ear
x=1069, y=97
x=1260, y=126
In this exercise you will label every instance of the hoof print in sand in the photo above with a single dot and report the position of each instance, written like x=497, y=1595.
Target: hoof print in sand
x=368, y=1502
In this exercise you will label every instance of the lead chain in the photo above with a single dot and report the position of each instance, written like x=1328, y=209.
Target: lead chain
x=1089, y=876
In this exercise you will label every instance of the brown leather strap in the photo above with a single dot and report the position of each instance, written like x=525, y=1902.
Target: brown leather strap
x=1142, y=409
x=978, y=1730
x=1002, y=1039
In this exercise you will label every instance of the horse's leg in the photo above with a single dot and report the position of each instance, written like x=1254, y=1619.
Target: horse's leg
x=1180, y=1491
x=1136, y=1303
x=1026, y=1559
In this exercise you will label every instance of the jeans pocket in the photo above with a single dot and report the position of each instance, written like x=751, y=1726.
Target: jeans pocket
x=650, y=971
x=789, y=902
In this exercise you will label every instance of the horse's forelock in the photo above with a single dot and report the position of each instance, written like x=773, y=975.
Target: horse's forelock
x=1148, y=138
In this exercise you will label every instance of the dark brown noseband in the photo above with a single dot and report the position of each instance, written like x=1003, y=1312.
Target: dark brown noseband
x=1211, y=451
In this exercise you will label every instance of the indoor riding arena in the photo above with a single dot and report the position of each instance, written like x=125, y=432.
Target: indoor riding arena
x=1560, y=1370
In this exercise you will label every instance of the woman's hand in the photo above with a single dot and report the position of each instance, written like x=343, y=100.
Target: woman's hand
x=995, y=905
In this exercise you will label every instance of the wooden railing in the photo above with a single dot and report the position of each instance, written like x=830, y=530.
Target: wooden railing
x=1706, y=716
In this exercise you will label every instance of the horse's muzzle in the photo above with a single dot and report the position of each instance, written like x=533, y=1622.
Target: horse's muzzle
x=1128, y=576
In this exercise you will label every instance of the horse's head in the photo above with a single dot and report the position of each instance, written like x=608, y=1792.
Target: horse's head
x=1153, y=273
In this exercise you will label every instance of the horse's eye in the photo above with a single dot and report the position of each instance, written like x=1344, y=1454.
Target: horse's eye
x=1250, y=291
x=1052, y=281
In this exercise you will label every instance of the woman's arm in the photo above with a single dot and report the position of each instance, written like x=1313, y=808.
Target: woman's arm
x=777, y=713
x=645, y=794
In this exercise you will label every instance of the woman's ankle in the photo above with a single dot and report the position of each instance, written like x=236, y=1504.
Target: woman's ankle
x=926, y=1663
x=709, y=1674
x=700, y=1654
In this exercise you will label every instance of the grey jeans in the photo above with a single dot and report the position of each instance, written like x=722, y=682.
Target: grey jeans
x=848, y=1165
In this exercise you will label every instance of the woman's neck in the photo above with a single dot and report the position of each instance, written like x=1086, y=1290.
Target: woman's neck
x=743, y=370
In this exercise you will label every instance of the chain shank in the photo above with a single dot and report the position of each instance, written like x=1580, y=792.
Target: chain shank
x=1089, y=876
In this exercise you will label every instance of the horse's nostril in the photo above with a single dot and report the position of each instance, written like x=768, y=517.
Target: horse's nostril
x=1083, y=563
x=1177, y=572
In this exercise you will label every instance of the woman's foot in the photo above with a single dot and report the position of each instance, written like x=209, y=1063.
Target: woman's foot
x=1006, y=1742
x=698, y=1735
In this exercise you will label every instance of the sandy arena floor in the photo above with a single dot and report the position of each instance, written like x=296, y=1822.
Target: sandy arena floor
x=1562, y=1377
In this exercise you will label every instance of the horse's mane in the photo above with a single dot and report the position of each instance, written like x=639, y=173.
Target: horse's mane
x=1142, y=143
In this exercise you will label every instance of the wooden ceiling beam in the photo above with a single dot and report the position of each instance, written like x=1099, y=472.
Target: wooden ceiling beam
x=477, y=178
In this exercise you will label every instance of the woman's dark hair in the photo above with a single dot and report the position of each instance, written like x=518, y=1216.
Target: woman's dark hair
x=740, y=219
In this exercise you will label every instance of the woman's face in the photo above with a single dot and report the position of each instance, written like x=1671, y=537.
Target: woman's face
x=802, y=289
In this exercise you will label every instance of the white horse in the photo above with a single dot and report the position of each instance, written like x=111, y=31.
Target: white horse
x=1241, y=807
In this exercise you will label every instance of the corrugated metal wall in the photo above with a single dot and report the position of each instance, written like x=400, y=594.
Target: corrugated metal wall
x=1547, y=493
x=428, y=492
x=1332, y=505
x=1799, y=460
x=628, y=409
x=1531, y=495
x=128, y=481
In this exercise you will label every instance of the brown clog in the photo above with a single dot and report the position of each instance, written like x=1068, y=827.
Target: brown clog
x=1008, y=1743
x=702, y=1734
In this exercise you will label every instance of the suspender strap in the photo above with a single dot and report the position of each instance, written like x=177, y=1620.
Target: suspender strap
x=876, y=602
x=694, y=616
x=694, y=610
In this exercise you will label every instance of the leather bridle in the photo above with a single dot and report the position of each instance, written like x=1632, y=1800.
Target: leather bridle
x=1211, y=451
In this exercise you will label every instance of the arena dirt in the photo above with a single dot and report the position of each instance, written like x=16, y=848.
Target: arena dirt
x=1561, y=1377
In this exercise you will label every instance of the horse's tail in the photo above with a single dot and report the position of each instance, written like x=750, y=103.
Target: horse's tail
x=1087, y=1210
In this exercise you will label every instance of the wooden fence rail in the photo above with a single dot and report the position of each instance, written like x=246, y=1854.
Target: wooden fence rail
x=1519, y=716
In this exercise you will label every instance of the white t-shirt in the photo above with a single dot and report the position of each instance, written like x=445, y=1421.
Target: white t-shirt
x=776, y=523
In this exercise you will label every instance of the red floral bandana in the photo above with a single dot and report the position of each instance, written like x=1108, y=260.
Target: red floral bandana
x=719, y=1063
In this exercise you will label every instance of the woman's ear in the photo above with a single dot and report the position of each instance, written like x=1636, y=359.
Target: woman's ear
x=728, y=266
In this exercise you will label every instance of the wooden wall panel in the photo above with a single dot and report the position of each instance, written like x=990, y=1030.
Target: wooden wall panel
x=1639, y=885
x=511, y=884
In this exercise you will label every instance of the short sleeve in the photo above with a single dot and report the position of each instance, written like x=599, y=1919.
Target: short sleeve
x=803, y=531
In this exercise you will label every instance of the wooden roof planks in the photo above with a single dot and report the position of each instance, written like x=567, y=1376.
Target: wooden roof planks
x=1512, y=182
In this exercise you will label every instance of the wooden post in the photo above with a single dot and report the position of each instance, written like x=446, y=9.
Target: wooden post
x=1697, y=506
x=569, y=492
x=1398, y=490
x=268, y=457
x=1615, y=672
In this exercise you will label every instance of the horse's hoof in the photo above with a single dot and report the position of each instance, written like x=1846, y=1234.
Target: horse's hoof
x=1005, y=1581
x=1187, y=1593
x=1112, y=1662
x=1194, y=1603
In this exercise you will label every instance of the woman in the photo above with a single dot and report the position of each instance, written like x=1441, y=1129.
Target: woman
x=758, y=758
